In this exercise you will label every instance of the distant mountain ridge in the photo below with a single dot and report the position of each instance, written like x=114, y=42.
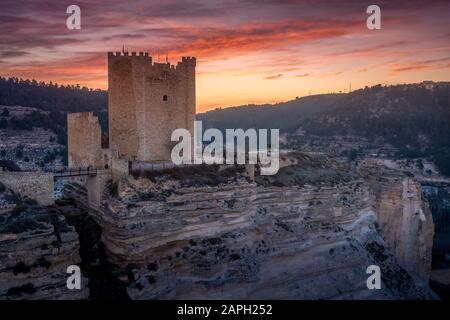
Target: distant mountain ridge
x=415, y=118
x=285, y=116
x=288, y=116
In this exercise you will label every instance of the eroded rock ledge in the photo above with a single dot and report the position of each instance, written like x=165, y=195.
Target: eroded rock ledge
x=309, y=232
x=36, y=247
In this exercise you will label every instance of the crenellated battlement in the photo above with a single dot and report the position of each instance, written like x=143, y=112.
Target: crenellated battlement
x=185, y=61
x=189, y=61
x=127, y=54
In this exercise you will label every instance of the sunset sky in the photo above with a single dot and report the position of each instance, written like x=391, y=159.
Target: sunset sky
x=250, y=51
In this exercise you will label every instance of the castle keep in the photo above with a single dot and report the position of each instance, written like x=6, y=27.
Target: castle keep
x=147, y=101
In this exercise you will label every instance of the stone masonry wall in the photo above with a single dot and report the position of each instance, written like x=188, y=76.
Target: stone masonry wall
x=96, y=186
x=147, y=101
x=84, y=140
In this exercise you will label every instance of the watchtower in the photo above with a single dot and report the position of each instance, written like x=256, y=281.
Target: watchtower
x=147, y=101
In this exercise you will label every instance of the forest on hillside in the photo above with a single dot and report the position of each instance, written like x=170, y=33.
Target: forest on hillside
x=51, y=96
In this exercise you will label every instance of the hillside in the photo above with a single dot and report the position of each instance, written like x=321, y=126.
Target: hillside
x=285, y=116
x=33, y=127
x=413, y=121
x=49, y=103
x=51, y=96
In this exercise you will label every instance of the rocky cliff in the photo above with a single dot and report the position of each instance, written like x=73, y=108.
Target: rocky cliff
x=404, y=219
x=36, y=247
x=310, y=232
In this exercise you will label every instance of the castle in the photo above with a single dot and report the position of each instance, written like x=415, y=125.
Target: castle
x=147, y=101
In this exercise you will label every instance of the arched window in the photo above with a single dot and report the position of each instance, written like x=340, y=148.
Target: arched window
x=165, y=97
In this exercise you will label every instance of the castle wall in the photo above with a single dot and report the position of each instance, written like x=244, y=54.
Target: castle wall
x=121, y=107
x=95, y=188
x=34, y=185
x=147, y=102
x=186, y=69
x=84, y=140
x=119, y=167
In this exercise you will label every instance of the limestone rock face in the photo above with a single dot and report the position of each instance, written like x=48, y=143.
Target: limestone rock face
x=36, y=247
x=404, y=220
x=307, y=233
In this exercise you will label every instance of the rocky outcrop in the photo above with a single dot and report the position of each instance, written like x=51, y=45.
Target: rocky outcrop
x=36, y=247
x=404, y=219
x=307, y=233
x=437, y=194
x=32, y=185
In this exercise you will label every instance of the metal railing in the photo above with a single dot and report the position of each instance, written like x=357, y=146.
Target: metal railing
x=75, y=172
x=155, y=166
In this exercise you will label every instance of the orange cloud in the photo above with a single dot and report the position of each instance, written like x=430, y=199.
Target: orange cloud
x=273, y=77
x=247, y=38
x=421, y=65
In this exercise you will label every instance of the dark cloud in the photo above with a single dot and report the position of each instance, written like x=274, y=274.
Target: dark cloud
x=12, y=54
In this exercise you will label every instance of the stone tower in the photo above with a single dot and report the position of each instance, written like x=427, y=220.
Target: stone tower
x=147, y=101
x=84, y=140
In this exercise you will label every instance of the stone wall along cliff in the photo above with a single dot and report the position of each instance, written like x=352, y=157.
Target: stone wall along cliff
x=36, y=247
